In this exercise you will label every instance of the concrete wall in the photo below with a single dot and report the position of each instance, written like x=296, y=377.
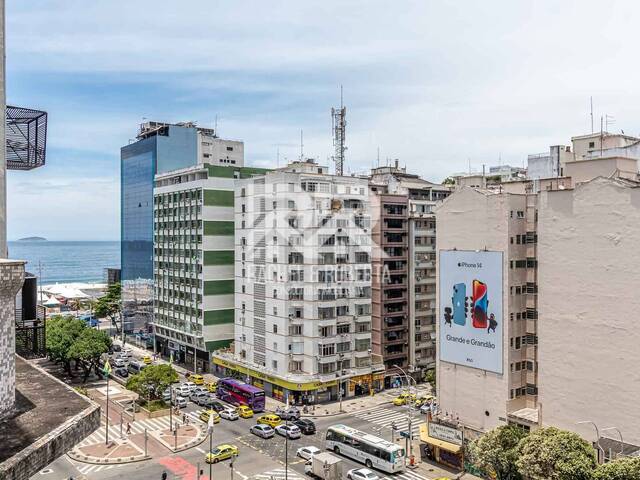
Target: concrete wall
x=585, y=170
x=589, y=270
x=471, y=220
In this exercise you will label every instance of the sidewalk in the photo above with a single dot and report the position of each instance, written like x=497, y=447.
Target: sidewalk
x=181, y=438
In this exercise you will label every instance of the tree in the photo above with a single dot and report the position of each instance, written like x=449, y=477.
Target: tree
x=88, y=348
x=109, y=305
x=448, y=181
x=551, y=453
x=622, y=469
x=430, y=377
x=61, y=333
x=496, y=452
x=152, y=381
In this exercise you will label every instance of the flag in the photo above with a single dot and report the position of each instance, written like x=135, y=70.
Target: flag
x=107, y=368
x=210, y=424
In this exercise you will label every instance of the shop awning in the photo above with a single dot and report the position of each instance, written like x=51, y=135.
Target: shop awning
x=424, y=437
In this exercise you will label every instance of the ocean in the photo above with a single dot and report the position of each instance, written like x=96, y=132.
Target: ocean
x=66, y=262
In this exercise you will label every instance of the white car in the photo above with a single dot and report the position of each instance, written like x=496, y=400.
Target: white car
x=362, y=474
x=307, y=452
x=184, y=390
x=179, y=401
x=126, y=353
x=290, y=431
x=119, y=362
x=229, y=414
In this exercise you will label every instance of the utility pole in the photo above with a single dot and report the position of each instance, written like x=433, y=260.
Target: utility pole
x=107, y=371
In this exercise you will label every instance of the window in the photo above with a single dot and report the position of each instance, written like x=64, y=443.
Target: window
x=275, y=295
x=344, y=328
x=343, y=347
x=244, y=208
x=291, y=204
x=517, y=343
x=275, y=312
x=274, y=364
x=326, y=331
x=592, y=144
x=326, y=350
x=229, y=149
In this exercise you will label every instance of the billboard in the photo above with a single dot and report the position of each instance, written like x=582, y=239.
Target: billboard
x=470, y=313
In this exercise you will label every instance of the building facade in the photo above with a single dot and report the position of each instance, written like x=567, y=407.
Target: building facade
x=303, y=286
x=194, y=256
x=403, y=287
x=159, y=148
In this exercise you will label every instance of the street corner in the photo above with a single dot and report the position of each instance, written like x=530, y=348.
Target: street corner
x=108, y=453
x=180, y=438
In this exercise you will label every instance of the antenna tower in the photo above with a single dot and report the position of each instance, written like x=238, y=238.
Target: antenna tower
x=339, y=127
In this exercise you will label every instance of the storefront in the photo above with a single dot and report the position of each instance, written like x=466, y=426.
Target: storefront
x=309, y=393
x=442, y=444
x=361, y=385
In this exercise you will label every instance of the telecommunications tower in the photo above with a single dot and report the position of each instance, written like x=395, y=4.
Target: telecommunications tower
x=339, y=126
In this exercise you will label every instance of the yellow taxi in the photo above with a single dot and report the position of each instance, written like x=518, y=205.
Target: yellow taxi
x=244, y=411
x=221, y=452
x=211, y=386
x=422, y=400
x=147, y=360
x=205, y=414
x=403, y=398
x=270, y=419
x=197, y=379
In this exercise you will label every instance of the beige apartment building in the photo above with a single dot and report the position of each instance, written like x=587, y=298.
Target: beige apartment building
x=570, y=265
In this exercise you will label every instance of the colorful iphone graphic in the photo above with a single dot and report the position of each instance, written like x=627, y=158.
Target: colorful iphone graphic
x=479, y=304
x=459, y=299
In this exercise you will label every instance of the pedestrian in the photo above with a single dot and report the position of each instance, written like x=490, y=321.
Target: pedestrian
x=128, y=428
x=164, y=476
x=184, y=418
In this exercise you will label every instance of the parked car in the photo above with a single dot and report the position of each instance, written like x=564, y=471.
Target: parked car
x=362, y=474
x=264, y=431
x=244, y=411
x=272, y=420
x=179, y=402
x=291, y=413
x=121, y=372
x=229, y=414
x=305, y=425
x=307, y=452
x=290, y=431
x=221, y=452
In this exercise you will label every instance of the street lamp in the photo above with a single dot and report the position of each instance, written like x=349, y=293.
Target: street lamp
x=619, y=433
x=597, y=434
x=410, y=413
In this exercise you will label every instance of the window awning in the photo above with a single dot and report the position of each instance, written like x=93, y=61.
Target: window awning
x=450, y=447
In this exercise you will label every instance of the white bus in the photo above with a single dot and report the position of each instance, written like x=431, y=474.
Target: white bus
x=365, y=448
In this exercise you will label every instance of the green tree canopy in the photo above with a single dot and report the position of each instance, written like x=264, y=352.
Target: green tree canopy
x=152, y=381
x=622, y=469
x=553, y=454
x=88, y=348
x=496, y=452
x=61, y=333
x=109, y=305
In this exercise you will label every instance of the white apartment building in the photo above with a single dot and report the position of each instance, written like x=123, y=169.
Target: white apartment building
x=303, y=285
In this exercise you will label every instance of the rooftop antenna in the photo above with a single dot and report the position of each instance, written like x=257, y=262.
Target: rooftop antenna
x=591, y=101
x=215, y=128
x=339, y=128
x=301, y=145
x=378, y=157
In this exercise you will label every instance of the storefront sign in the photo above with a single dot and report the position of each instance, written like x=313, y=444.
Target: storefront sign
x=445, y=433
x=303, y=387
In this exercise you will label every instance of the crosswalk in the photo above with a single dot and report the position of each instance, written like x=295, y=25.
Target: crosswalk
x=386, y=417
x=139, y=426
x=88, y=468
x=279, y=474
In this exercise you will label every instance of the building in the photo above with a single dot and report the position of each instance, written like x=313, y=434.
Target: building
x=194, y=254
x=303, y=285
x=556, y=237
x=403, y=284
x=159, y=148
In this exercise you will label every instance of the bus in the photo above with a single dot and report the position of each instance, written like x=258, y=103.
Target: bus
x=365, y=448
x=238, y=392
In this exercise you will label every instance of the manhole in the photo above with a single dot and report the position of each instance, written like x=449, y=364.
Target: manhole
x=46, y=471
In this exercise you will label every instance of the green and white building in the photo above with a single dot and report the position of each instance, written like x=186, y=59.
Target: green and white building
x=194, y=254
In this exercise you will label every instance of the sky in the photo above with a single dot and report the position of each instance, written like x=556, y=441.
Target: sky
x=442, y=86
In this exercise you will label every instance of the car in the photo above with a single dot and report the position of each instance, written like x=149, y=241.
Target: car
x=307, y=452
x=121, y=372
x=115, y=348
x=264, y=431
x=179, y=402
x=272, y=420
x=147, y=360
x=184, y=389
x=291, y=413
x=196, y=379
x=221, y=452
x=126, y=353
x=205, y=414
x=403, y=398
x=190, y=385
x=119, y=362
x=201, y=399
x=305, y=425
x=290, y=431
x=211, y=386
x=229, y=414
x=217, y=405
x=244, y=411
x=362, y=474
x=166, y=395
x=420, y=401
